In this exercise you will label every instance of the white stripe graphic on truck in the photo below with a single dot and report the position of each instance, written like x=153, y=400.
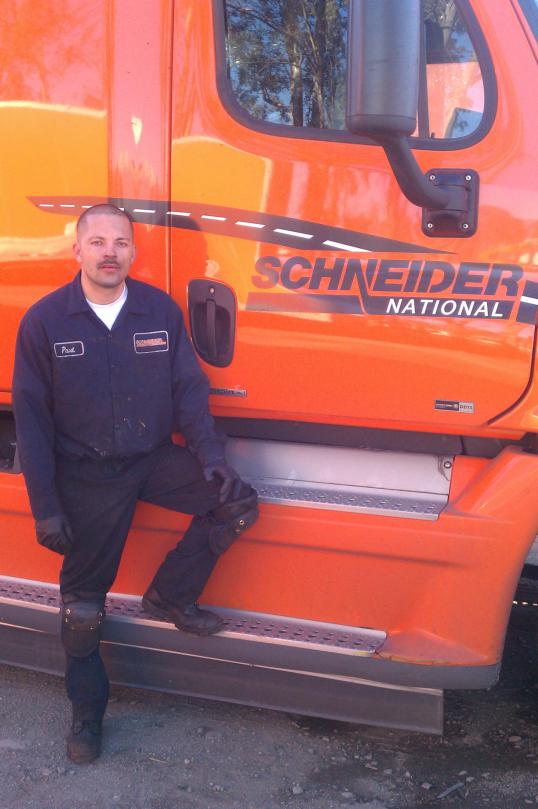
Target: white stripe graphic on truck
x=238, y=223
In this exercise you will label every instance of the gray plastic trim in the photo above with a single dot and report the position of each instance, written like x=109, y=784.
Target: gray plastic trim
x=300, y=692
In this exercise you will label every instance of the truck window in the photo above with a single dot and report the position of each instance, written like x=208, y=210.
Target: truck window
x=286, y=62
x=455, y=92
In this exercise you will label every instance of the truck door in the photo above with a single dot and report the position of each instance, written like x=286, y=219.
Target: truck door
x=348, y=309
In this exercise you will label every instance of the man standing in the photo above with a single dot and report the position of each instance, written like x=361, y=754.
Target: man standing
x=104, y=374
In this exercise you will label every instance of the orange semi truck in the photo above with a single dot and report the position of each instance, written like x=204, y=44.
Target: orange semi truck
x=343, y=198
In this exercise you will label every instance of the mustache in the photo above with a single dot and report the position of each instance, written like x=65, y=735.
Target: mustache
x=108, y=264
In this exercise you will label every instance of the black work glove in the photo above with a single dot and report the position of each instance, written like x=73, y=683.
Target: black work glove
x=54, y=533
x=231, y=482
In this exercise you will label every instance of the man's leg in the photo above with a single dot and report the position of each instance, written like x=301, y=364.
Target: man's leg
x=86, y=680
x=99, y=501
x=177, y=482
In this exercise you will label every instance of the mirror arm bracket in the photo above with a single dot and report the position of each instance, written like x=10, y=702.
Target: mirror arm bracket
x=448, y=197
x=413, y=183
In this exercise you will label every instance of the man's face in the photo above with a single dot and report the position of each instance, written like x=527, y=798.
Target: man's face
x=105, y=252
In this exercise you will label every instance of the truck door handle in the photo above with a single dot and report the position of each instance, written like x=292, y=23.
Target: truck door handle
x=212, y=314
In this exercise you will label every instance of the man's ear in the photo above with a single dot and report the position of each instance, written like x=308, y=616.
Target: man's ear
x=76, y=251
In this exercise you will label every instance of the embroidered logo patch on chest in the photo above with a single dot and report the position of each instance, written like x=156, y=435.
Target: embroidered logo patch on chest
x=73, y=349
x=149, y=341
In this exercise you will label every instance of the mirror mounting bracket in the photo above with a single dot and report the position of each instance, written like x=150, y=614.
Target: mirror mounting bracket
x=460, y=216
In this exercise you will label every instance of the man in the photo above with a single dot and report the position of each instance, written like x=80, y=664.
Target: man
x=104, y=373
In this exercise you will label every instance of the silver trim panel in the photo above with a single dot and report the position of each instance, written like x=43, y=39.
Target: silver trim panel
x=394, y=484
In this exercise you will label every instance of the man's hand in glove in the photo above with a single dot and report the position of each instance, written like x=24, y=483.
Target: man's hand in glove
x=54, y=533
x=231, y=482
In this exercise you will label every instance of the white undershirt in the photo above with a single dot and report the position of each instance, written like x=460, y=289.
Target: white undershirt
x=108, y=312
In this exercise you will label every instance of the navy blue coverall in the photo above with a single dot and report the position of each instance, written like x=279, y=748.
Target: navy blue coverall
x=95, y=410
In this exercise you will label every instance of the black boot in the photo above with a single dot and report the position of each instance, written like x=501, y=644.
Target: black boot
x=84, y=740
x=190, y=618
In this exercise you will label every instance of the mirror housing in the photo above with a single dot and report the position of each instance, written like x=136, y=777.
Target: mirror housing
x=383, y=66
x=384, y=45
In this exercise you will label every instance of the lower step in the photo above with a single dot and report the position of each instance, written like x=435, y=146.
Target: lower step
x=264, y=661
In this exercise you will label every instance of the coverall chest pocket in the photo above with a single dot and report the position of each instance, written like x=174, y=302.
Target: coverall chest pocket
x=153, y=372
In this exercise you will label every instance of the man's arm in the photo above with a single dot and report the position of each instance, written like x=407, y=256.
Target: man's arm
x=32, y=404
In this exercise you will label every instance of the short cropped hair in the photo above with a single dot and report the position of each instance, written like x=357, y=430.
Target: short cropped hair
x=103, y=208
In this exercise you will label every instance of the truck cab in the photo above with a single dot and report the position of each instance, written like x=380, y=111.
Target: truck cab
x=343, y=200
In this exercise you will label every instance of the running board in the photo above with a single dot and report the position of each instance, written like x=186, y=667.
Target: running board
x=391, y=484
x=265, y=661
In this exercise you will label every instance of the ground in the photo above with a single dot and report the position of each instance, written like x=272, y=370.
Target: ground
x=167, y=752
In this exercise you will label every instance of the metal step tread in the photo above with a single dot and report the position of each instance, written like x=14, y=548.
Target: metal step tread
x=350, y=498
x=248, y=626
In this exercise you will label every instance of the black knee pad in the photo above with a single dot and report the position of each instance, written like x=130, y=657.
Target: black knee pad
x=81, y=627
x=231, y=519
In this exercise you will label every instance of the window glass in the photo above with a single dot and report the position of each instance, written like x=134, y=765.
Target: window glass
x=287, y=60
x=455, y=92
x=287, y=65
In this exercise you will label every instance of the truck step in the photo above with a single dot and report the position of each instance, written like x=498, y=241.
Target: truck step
x=249, y=626
x=306, y=667
x=387, y=483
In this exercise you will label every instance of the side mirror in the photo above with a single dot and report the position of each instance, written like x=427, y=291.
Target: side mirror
x=383, y=67
x=384, y=48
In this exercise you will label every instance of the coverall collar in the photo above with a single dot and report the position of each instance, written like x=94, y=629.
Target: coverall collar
x=76, y=302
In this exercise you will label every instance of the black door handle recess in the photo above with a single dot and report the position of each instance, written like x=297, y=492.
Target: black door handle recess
x=212, y=315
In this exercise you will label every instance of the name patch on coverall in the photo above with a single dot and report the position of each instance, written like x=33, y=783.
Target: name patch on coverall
x=145, y=342
x=73, y=349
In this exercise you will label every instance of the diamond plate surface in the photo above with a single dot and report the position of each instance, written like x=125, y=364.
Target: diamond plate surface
x=352, y=499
